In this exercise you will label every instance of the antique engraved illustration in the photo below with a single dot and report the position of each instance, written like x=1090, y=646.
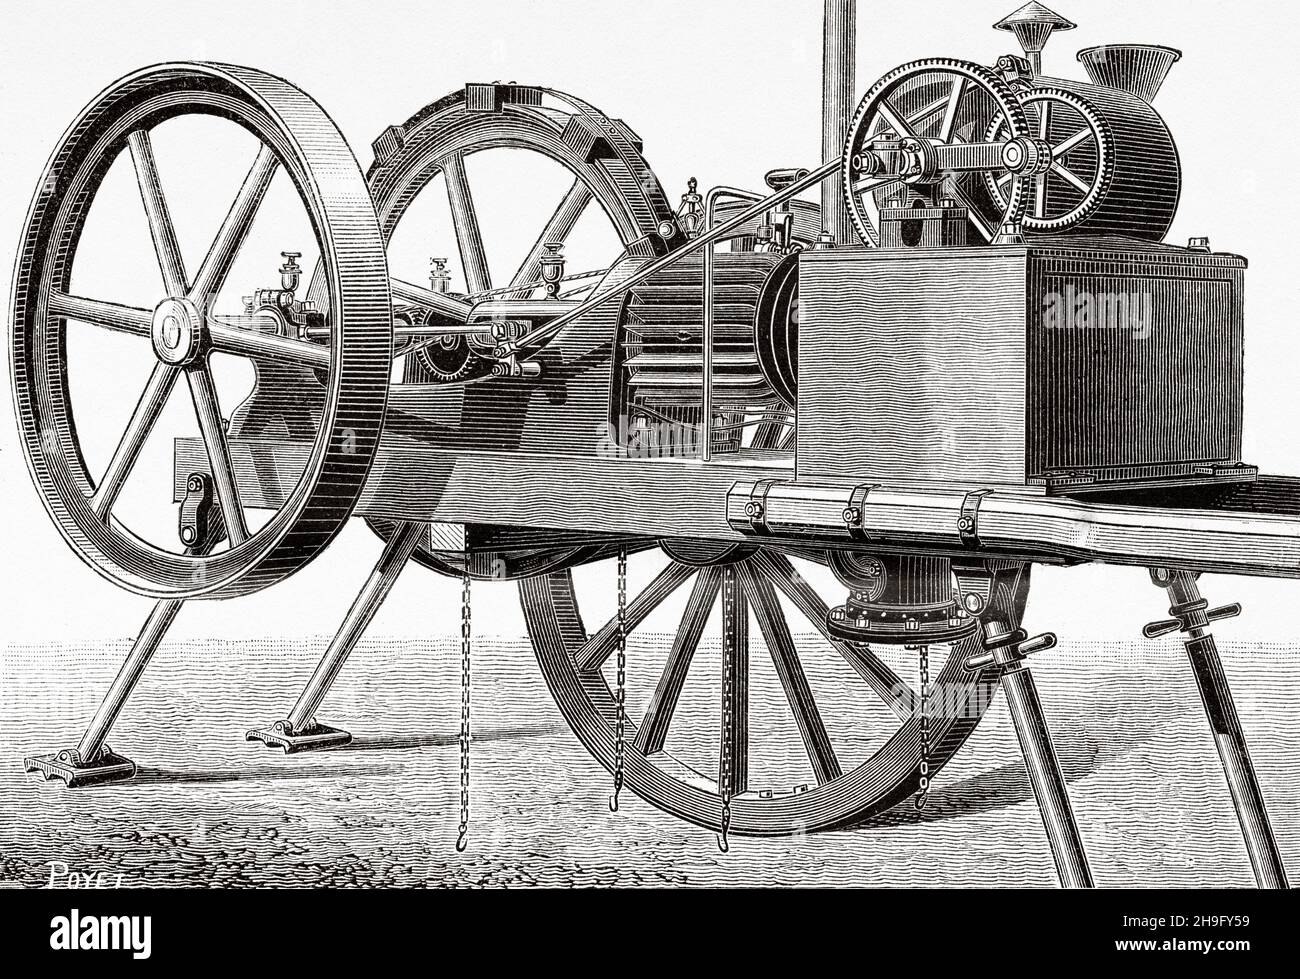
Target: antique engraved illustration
x=770, y=468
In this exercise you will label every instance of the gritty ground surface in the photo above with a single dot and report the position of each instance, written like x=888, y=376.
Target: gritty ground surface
x=210, y=810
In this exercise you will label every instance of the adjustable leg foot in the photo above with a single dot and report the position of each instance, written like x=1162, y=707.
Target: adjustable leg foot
x=317, y=737
x=92, y=761
x=300, y=730
x=67, y=765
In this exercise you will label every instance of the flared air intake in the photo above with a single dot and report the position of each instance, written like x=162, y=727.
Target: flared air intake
x=1139, y=69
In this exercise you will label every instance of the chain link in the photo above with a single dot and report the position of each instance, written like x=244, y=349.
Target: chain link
x=923, y=792
x=620, y=700
x=463, y=833
x=729, y=614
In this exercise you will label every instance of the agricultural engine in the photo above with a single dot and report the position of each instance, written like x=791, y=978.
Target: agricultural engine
x=975, y=353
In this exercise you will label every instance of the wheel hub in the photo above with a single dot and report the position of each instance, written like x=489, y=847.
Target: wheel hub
x=177, y=332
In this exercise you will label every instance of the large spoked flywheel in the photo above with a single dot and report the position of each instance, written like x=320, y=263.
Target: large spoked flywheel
x=819, y=734
x=572, y=179
x=184, y=331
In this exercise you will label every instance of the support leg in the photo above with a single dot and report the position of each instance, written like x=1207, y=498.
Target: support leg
x=92, y=760
x=1001, y=589
x=1044, y=771
x=1192, y=619
x=300, y=731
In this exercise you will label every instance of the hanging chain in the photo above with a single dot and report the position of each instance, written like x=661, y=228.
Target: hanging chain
x=463, y=834
x=620, y=700
x=923, y=792
x=728, y=701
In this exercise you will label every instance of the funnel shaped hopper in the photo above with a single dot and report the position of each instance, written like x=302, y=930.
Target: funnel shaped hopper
x=1139, y=69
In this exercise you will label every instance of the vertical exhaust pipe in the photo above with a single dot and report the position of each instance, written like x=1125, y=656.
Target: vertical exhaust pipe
x=839, y=36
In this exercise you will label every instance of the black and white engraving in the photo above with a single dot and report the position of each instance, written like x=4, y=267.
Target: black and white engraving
x=769, y=468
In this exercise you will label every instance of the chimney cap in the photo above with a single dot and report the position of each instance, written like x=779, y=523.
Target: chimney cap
x=1036, y=14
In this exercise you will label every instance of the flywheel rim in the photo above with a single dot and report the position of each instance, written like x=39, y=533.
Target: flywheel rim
x=306, y=144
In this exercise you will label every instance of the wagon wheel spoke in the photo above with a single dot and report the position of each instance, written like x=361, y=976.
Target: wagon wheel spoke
x=557, y=229
x=97, y=312
x=799, y=695
x=464, y=218
x=234, y=229
x=735, y=728
x=213, y=428
x=596, y=650
x=888, y=685
x=653, y=731
x=161, y=228
x=143, y=418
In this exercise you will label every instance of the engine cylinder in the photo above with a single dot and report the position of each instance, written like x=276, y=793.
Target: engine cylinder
x=755, y=320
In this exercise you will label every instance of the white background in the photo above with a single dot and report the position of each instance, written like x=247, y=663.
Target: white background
x=721, y=91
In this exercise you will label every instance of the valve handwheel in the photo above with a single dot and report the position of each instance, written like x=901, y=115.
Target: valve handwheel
x=939, y=111
x=1083, y=160
x=183, y=328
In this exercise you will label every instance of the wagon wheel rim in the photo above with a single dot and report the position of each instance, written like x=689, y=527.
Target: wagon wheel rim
x=1083, y=161
x=966, y=102
x=837, y=793
x=295, y=136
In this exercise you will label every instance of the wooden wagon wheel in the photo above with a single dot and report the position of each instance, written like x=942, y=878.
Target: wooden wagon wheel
x=347, y=371
x=602, y=158
x=843, y=783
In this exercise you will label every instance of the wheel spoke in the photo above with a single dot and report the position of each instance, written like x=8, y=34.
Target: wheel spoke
x=227, y=339
x=161, y=228
x=653, y=730
x=1045, y=120
x=557, y=230
x=469, y=239
x=735, y=626
x=440, y=302
x=887, y=684
x=213, y=428
x=596, y=650
x=950, y=111
x=234, y=229
x=771, y=622
x=972, y=212
x=1063, y=147
x=900, y=127
x=869, y=184
x=143, y=418
x=111, y=316
x=1072, y=179
x=1040, y=196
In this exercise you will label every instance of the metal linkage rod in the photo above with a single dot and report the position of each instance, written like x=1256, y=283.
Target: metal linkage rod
x=1192, y=618
x=530, y=342
x=300, y=731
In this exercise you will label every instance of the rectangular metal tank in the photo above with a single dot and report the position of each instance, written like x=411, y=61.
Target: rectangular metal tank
x=1073, y=364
